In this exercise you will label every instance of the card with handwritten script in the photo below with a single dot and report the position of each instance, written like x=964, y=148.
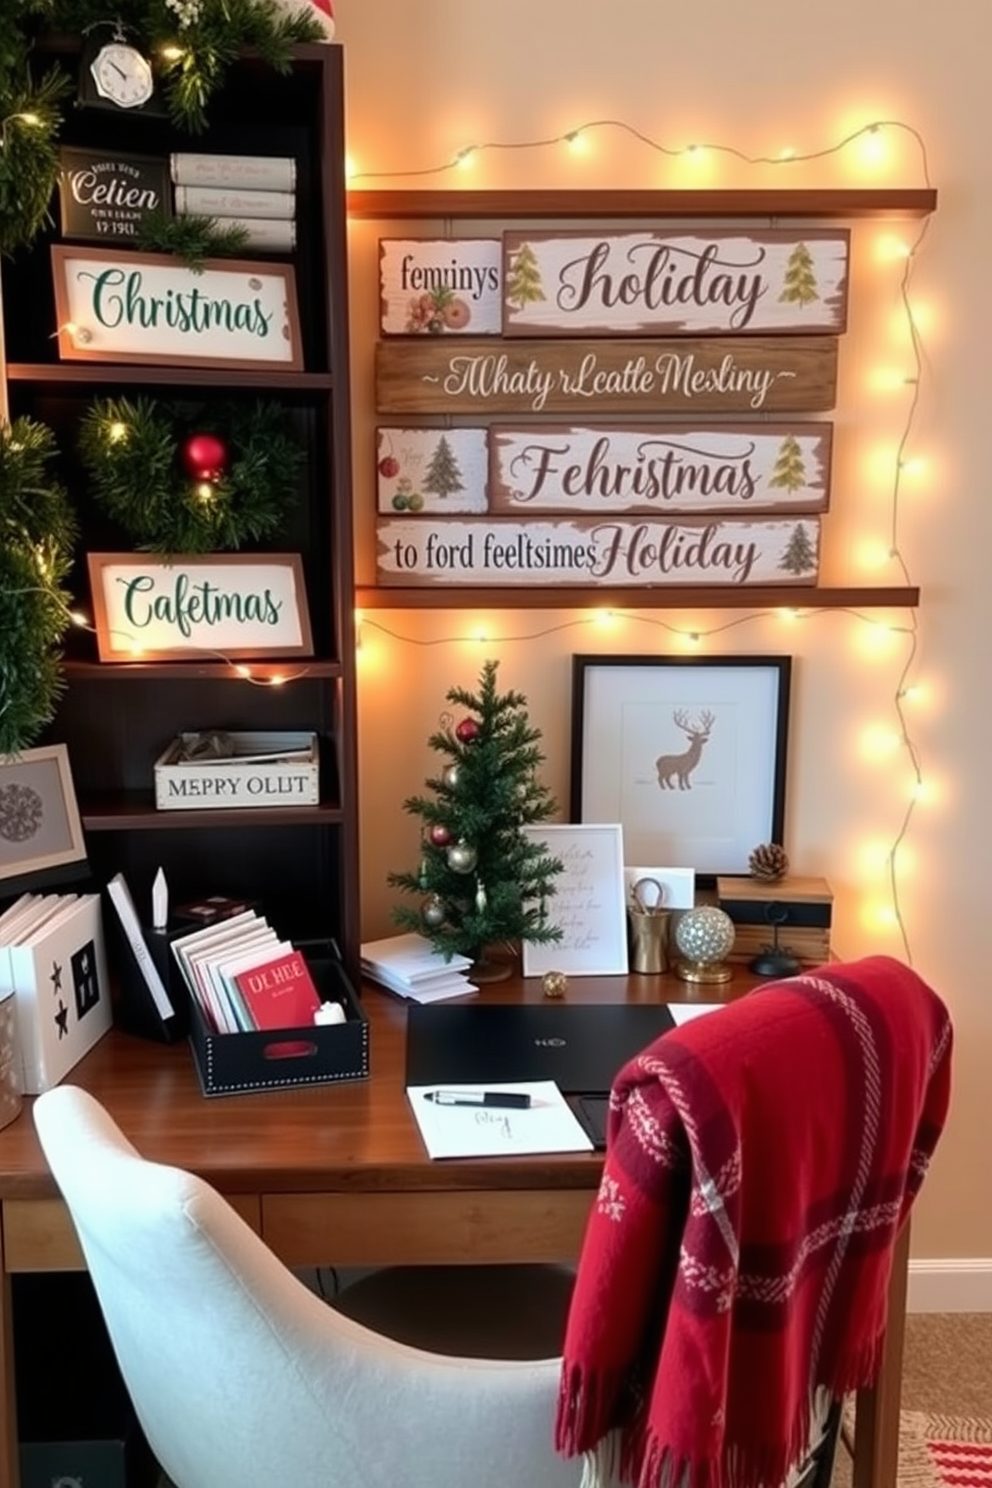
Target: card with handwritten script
x=468, y=1121
x=587, y=905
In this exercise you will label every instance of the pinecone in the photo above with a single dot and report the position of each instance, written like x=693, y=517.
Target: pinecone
x=769, y=862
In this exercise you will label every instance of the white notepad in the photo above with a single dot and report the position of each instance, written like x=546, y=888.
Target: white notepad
x=451, y=1130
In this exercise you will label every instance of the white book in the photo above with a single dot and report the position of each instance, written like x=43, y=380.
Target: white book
x=272, y=235
x=246, y=172
x=433, y=989
x=411, y=956
x=14, y=912
x=213, y=991
x=120, y=898
x=211, y=938
x=62, y=993
x=226, y=201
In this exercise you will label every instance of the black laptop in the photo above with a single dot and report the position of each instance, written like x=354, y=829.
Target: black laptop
x=581, y=1046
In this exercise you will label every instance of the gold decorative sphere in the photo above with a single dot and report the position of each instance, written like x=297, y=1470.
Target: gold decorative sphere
x=553, y=983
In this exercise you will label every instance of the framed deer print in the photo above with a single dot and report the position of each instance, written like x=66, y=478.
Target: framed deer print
x=687, y=753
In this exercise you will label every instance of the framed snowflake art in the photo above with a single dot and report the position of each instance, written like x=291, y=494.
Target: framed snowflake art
x=40, y=826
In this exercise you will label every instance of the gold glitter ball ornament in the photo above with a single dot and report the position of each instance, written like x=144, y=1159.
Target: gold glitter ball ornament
x=553, y=983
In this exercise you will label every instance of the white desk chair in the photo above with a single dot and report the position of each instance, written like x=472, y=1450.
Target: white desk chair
x=242, y=1378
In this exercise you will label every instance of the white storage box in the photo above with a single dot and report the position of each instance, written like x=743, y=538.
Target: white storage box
x=273, y=769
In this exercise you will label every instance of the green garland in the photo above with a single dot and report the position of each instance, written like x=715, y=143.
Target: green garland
x=37, y=533
x=201, y=38
x=192, y=239
x=131, y=451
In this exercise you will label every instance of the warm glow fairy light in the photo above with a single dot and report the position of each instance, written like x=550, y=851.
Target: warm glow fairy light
x=886, y=467
x=870, y=142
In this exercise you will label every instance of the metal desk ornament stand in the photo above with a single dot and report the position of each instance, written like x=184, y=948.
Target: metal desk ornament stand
x=649, y=928
x=775, y=960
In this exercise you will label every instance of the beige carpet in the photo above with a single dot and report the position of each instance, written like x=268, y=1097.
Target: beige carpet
x=944, y=1451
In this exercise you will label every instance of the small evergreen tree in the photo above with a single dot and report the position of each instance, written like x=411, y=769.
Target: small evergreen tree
x=480, y=881
x=790, y=471
x=800, y=555
x=443, y=475
x=800, y=286
x=523, y=284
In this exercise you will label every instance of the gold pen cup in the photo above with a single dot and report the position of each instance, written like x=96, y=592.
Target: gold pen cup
x=649, y=921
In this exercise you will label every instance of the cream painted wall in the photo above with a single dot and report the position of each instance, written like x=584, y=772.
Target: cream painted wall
x=424, y=80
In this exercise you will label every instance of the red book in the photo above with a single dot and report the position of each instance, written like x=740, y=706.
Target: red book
x=279, y=993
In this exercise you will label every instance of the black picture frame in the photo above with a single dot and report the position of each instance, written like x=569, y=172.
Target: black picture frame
x=687, y=753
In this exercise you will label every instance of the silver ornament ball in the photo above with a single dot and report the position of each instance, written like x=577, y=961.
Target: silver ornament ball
x=432, y=912
x=705, y=934
x=462, y=857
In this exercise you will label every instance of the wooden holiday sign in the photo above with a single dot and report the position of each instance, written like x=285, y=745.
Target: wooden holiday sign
x=795, y=374
x=650, y=552
x=446, y=286
x=723, y=281
x=666, y=468
x=432, y=470
x=106, y=195
x=116, y=306
x=219, y=605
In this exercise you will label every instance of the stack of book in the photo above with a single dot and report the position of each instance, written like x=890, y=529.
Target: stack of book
x=256, y=192
x=244, y=978
x=410, y=966
x=52, y=959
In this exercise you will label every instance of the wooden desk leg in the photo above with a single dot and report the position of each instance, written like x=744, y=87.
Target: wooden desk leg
x=876, y=1435
x=10, y=1467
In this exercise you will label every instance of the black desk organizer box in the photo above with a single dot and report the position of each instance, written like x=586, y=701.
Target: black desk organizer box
x=243, y=1063
x=239, y=1063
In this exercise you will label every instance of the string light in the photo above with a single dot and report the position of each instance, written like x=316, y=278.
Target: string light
x=869, y=138
x=81, y=621
x=872, y=146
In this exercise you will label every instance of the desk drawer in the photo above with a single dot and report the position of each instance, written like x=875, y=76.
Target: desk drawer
x=428, y=1228
x=38, y=1234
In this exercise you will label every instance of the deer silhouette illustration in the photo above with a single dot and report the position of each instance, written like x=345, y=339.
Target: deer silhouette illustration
x=675, y=769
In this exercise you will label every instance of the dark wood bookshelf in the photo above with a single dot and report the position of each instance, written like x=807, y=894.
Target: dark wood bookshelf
x=838, y=202
x=136, y=812
x=791, y=597
x=299, y=864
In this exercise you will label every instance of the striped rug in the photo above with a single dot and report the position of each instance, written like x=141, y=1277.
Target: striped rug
x=944, y=1451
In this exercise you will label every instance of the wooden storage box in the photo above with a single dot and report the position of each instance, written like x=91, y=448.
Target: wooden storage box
x=243, y=1063
x=801, y=907
x=258, y=774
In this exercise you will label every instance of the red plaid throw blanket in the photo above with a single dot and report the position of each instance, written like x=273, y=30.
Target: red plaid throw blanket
x=759, y=1163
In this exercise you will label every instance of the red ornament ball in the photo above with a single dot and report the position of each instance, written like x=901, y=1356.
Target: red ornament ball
x=204, y=456
x=467, y=731
x=389, y=466
x=439, y=835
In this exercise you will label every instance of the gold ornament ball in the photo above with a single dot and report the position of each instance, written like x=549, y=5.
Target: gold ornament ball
x=553, y=983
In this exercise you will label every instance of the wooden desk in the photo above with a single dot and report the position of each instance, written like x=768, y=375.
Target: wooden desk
x=338, y=1176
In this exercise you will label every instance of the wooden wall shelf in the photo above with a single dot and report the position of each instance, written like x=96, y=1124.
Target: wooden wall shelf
x=792, y=597
x=760, y=202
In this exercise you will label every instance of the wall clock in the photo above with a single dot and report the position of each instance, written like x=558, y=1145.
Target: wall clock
x=114, y=74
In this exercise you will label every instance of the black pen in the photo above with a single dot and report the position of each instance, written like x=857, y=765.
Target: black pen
x=509, y=1099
